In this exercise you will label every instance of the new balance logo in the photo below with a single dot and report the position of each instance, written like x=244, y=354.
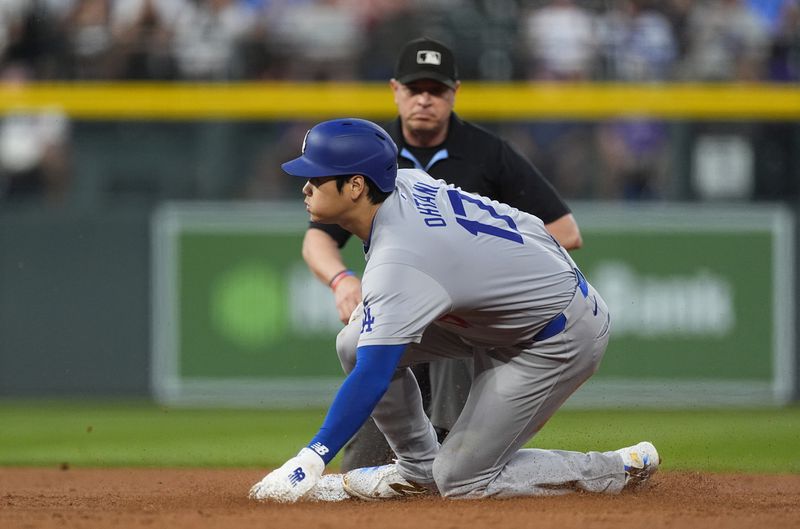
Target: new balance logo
x=297, y=476
x=319, y=448
x=410, y=489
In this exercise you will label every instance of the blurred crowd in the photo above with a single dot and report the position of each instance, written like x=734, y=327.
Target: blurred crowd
x=628, y=40
x=309, y=40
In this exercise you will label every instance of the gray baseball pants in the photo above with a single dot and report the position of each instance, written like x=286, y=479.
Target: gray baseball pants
x=515, y=391
x=450, y=380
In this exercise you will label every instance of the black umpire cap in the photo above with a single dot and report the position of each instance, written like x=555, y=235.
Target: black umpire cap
x=426, y=58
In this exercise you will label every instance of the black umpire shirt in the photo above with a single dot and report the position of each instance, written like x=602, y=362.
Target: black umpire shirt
x=477, y=161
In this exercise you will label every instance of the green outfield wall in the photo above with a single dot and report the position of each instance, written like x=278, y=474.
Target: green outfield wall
x=74, y=302
x=701, y=298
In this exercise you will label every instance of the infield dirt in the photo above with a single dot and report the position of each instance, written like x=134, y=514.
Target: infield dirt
x=45, y=498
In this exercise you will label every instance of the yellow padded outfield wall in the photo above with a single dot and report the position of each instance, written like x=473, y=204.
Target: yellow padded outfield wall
x=479, y=101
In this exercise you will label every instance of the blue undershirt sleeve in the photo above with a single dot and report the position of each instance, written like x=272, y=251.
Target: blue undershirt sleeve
x=357, y=397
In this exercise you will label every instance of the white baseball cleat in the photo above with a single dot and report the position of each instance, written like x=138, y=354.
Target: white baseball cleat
x=641, y=462
x=380, y=483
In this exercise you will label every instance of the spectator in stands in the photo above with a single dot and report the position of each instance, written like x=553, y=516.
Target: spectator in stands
x=775, y=141
x=34, y=152
x=91, y=46
x=321, y=39
x=638, y=45
x=771, y=12
x=561, y=42
x=637, y=42
x=32, y=37
x=207, y=37
x=12, y=16
x=677, y=12
x=727, y=42
x=561, y=45
x=782, y=20
x=143, y=31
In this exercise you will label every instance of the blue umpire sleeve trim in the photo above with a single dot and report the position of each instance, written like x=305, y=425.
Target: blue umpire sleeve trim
x=357, y=397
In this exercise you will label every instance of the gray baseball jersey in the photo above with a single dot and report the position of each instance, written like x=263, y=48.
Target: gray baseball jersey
x=481, y=269
x=460, y=276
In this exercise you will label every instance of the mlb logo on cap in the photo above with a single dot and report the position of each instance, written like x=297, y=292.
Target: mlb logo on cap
x=426, y=59
x=429, y=57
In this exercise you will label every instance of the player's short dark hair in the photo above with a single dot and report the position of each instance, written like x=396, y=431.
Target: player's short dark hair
x=375, y=195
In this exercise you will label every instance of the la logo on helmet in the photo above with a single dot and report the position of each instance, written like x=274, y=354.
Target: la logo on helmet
x=303, y=148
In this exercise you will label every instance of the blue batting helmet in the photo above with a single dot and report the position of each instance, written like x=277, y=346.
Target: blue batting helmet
x=343, y=147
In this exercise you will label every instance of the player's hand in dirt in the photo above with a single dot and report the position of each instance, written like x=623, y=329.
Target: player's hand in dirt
x=291, y=481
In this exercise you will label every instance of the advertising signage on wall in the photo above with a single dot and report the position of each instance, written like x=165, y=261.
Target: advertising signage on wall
x=701, y=303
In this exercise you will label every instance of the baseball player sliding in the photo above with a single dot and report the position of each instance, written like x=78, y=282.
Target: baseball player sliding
x=451, y=274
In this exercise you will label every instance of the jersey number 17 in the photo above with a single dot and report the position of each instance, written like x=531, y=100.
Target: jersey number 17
x=457, y=199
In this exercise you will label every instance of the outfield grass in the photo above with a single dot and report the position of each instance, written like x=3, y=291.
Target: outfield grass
x=143, y=434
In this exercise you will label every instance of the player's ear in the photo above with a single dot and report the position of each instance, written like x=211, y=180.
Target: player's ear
x=358, y=186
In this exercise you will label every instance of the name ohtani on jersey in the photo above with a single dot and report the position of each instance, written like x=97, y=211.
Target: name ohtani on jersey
x=425, y=202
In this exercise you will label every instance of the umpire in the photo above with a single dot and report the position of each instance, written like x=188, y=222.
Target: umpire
x=430, y=136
